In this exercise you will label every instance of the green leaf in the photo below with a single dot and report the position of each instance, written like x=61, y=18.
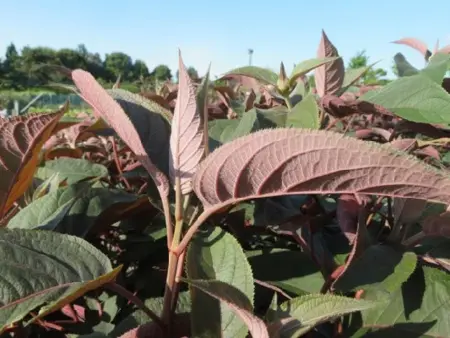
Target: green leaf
x=305, y=278
x=437, y=67
x=421, y=306
x=45, y=267
x=139, y=317
x=235, y=300
x=264, y=75
x=415, y=98
x=306, y=66
x=305, y=114
x=352, y=75
x=299, y=315
x=71, y=169
x=389, y=269
x=216, y=255
x=271, y=118
x=73, y=210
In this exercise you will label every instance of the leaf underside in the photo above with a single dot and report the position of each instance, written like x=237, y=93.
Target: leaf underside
x=297, y=161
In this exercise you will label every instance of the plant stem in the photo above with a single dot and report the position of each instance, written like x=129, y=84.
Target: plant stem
x=173, y=257
x=288, y=103
x=192, y=230
x=414, y=239
x=136, y=301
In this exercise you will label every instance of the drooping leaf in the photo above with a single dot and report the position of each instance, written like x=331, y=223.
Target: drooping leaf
x=186, y=139
x=389, y=269
x=237, y=301
x=21, y=140
x=404, y=68
x=299, y=315
x=305, y=114
x=216, y=255
x=418, y=45
x=306, y=66
x=261, y=74
x=420, y=307
x=152, y=127
x=46, y=268
x=415, y=98
x=352, y=75
x=296, y=161
x=71, y=169
x=74, y=210
x=328, y=77
x=111, y=111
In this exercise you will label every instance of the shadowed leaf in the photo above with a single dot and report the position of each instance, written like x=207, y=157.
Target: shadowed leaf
x=328, y=77
x=111, y=111
x=44, y=267
x=404, y=68
x=296, y=161
x=299, y=315
x=71, y=169
x=21, y=140
x=236, y=300
x=217, y=255
x=186, y=138
x=305, y=114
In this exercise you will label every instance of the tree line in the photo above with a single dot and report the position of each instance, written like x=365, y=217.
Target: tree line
x=23, y=70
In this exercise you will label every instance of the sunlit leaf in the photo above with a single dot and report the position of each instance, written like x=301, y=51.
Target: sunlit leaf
x=306, y=66
x=261, y=74
x=305, y=114
x=21, y=140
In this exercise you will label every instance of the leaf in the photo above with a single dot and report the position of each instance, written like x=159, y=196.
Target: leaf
x=74, y=210
x=216, y=255
x=415, y=98
x=418, y=45
x=424, y=299
x=389, y=269
x=437, y=67
x=305, y=114
x=186, y=139
x=152, y=128
x=236, y=300
x=21, y=140
x=202, y=103
x=404, y=68
x=328, y=77
x=352, y=75
x=305, y=278
x=71, y=169
x=110, y=110
x=261, y=74
x=299, y=315
x=306, y=66
x=44, y=267
x=295, y=161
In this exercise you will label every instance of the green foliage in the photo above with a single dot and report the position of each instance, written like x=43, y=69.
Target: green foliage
x=273, y=209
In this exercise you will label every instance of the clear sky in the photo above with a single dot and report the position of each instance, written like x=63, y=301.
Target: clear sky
x=221, y=32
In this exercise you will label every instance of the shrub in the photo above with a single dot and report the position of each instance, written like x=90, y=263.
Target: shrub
x=261, y=208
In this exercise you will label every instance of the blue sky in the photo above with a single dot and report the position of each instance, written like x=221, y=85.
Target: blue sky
x=221, y=32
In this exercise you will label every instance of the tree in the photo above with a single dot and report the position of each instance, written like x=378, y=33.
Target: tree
x=140, y=69
x=12, y=77
x=118, y=63
x=161, y=73
x=372, y=76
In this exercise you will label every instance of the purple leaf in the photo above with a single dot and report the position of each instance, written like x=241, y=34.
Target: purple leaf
x=110, y=110
x=330, y=76
x=295, y=161
x=416, y=44
x=186, y=140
